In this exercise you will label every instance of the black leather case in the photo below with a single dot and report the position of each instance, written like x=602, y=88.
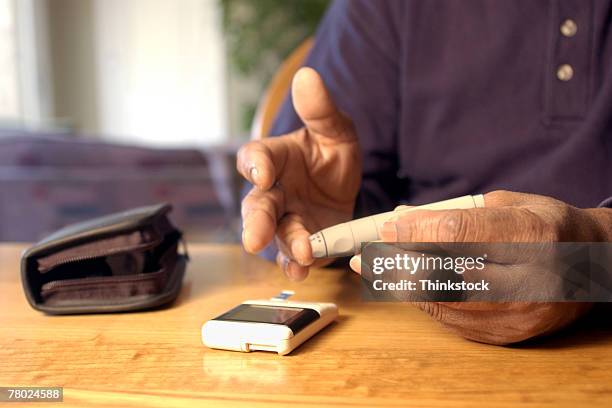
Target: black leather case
x=123, y=262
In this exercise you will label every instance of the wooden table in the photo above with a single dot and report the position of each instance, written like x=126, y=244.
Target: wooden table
x=377, y=354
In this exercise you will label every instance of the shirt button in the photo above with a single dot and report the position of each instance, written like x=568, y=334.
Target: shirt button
x=565, y=72
x=569, y=28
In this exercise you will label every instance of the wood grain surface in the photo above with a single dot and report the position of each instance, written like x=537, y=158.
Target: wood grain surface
x=376, y=354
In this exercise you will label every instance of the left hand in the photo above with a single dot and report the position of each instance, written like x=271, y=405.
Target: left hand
x=507, y=217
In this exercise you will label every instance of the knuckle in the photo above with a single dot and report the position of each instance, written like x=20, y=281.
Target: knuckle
x=498, y=197
x=288, y=227
x=261, y=203
x=411, y=228
x=283, y=232
x=565, y=216
x=543, y=230
x=452, y=226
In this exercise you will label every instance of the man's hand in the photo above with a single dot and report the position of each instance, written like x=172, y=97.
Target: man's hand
x=507, y=217
x=303, y=181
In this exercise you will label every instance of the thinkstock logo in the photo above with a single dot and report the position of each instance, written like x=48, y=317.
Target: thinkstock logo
x=491, y=272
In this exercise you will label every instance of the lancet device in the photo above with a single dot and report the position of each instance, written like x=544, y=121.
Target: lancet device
x=346, y=239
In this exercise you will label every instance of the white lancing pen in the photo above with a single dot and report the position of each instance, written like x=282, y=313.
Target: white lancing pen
x=346, y=239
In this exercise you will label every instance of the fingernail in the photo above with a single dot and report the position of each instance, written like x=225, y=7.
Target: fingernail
x=388, y=231
x=355, y=264
x=254, y=174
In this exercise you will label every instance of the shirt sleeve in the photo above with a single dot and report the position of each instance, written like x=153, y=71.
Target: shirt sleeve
x=357, y=52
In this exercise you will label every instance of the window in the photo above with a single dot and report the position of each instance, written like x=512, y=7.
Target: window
x=9, y=95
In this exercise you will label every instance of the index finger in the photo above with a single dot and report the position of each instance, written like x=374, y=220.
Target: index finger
x=262, y=161
x=255, y=163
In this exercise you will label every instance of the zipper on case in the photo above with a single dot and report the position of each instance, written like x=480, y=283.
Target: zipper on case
x=88, y=257
x=100, y=253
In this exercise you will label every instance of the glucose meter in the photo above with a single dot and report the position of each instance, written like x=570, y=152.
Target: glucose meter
x=276, y=325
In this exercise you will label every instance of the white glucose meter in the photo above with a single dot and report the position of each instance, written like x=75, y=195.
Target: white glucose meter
x=276, y=325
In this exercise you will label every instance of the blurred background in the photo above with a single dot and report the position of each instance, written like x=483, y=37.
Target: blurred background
x=111, y=104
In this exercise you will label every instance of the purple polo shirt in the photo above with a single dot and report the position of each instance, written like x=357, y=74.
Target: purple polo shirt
x=464, y=97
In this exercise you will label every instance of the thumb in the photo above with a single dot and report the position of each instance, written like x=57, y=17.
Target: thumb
x=317, y=109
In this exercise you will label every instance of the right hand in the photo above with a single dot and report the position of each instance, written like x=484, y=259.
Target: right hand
x=303, y=181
